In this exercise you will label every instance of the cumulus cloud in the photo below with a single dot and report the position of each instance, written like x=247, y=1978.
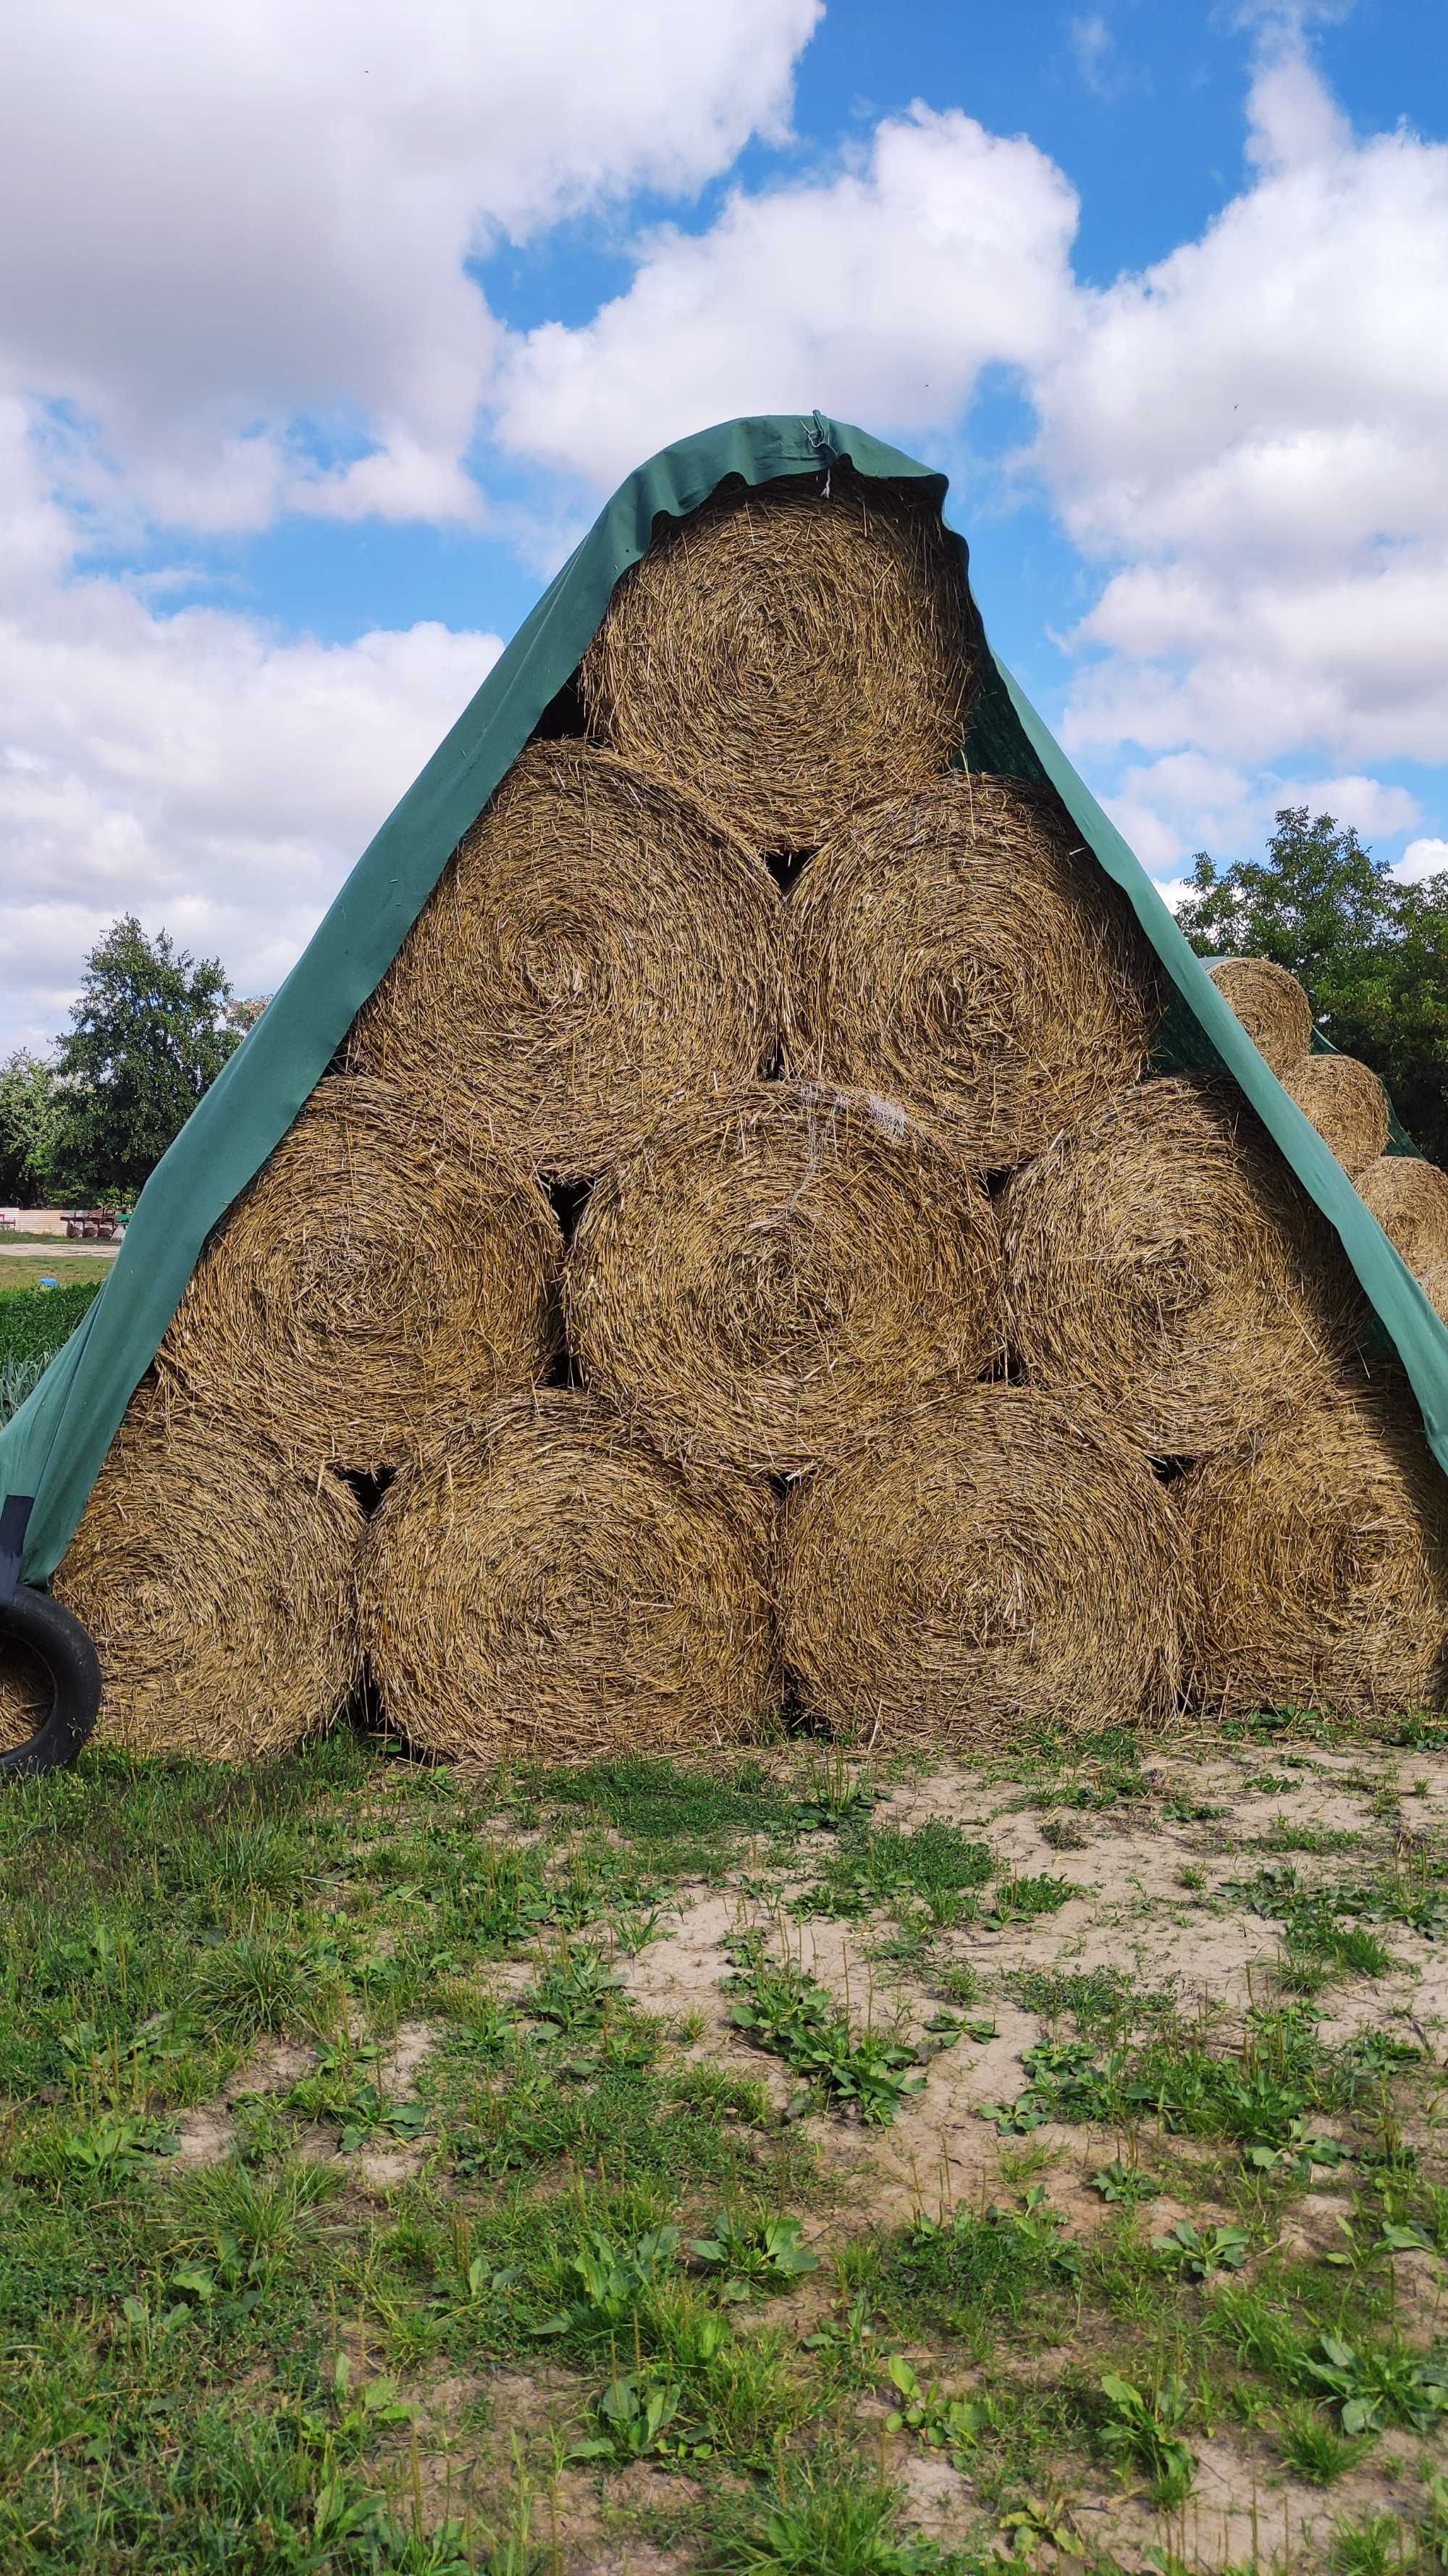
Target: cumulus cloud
x=245, y=288
x=1249, y=435
x=1421, y=860
x=878, y=293
x=238, y=233
x=1186, y=801
x=198, y=769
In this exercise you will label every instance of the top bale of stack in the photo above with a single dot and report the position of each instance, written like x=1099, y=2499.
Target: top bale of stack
x=787, y=655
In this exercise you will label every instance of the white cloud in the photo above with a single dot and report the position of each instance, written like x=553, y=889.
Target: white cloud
x=1185, y=801
x=241, y=286
x=1250, y=436
x=197, y=769
x=239, y=230
x=1376, y=812
x=878, y=294
x=1420, y=860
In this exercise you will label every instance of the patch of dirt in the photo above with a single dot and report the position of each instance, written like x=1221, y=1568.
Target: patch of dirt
x=204, y=2136
x=207, y=2135
x=1245, y=2510
x=277, y=2065
x=682, y=1973
x=411, y=2043
x=937, y=2500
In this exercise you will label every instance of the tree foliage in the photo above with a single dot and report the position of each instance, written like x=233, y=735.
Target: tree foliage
x=29, y=1121
x=1373, y=953
x=149, y=1034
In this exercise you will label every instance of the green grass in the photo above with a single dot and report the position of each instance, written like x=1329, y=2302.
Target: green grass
x=237, y=2366
x=34, y=1322
x=20, y=1278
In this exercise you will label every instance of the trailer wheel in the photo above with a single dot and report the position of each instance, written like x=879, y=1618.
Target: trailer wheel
x=64, y=1648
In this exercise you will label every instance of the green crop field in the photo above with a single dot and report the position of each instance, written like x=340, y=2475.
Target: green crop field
x=797, y=2165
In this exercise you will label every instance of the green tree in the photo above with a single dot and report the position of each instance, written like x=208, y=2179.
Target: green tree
x=29, y=1120
x=148, y=1036
x=1372, y=953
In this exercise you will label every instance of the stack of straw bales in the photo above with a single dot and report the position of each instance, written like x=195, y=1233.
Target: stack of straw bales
x=748, y=1255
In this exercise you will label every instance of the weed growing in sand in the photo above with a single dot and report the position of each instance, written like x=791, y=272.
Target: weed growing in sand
x=791, y=2014
x=1142, y=2427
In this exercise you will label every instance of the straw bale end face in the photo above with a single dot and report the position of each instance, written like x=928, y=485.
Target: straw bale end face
x=545, y=1582
x=777, y=1271
x=600, y=944
x=1346, y=1104
x=217, y=1584
x=959, y=947
x=1161, y=1256
x=1271, y=1005
x=1320, y=1562
x=982, y=1566
x=1409, y=1198
x=389, y=1270
x=789, y=653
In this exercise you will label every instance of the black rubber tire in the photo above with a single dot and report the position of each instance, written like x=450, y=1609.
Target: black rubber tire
x=63, y=1646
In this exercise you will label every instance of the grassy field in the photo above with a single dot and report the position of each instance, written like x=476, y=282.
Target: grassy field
x=20, y=1276
x=795, y=2167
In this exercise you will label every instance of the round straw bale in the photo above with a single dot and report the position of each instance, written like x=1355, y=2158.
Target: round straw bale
x=1434, y=1283
x=387, y=1272
x=1346, y=1104
x=217, y=1583
x=544, y=1582
x=983, y=1564
x=24, y=1693
x=1162, y=1255
x=959, y=948
x=1320, y=1562
x=778, y=1270
x=596, y=945
x=789, y=654
x=1409, y=1198
x=1271, y=1005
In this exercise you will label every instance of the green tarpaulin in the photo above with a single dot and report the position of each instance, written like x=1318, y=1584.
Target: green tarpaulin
x=52, y=1451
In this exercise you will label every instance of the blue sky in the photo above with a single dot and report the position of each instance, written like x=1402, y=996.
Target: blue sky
x=335, y=325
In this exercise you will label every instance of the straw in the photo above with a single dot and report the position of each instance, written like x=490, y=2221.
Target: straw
x=1346, y=1104
x=773, y=1274
x=789, y=654
x=1409, y=1198
x=960, y=948
x=217, y=1584
x=388, y=1271
x=1271, y=1005
x=986, y=1565
x=1433, y=1280
x=544, y=1582
x=1320, y=1555
x=1162, y=1255
x=598, y=945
